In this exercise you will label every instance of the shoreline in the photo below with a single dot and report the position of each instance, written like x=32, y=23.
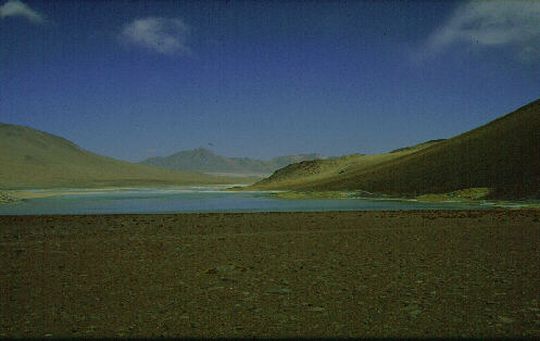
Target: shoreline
x=14, y=197
x=37, y=193
x=426, y=198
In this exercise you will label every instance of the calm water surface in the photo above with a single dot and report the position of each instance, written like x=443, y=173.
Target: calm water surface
x=201, y=200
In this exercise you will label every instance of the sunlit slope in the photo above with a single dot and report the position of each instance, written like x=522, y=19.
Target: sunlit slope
x=33, y=159
x=306, y=174
x=503, y=155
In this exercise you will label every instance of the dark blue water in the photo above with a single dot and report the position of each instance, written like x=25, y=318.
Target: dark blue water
x=203, y=200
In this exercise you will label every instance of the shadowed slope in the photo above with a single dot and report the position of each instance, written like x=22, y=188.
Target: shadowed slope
x=503, y=155
x=32, y=158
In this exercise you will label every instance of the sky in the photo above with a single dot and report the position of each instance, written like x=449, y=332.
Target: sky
x=135, y=79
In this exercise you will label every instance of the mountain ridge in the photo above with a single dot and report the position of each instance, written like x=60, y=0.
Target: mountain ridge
x=207, y=161
x=32, y=158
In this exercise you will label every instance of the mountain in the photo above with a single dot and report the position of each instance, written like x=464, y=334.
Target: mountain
x=204, y=160
x=503, y=155
x=31, y=158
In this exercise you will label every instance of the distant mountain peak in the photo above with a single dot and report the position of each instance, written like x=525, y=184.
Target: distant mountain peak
x=202, y=150
x=202, y=159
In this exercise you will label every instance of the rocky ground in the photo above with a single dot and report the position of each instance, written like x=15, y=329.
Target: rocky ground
x=472, y=273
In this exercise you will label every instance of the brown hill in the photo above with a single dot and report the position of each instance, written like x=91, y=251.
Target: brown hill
x=503, y=155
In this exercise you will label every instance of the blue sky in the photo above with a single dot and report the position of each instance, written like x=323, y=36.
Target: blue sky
x=137, y=79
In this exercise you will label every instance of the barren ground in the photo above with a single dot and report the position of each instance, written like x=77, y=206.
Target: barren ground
x=429, y=273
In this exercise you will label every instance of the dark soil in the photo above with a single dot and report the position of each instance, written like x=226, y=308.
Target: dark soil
x=472, y=273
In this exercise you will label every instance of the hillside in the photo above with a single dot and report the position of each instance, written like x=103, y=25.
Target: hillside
x=34, y=159
x=204, y=160
x=304, y=174
x=503, y=155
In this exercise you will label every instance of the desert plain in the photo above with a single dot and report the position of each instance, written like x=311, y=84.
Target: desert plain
x=331, y=274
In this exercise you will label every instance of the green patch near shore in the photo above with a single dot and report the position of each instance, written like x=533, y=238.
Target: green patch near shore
x=477, y=195
x=310, y=195
x=464, y=195
x=517, y=205
x=294, y=195
x=6, y=198
x=468, y=194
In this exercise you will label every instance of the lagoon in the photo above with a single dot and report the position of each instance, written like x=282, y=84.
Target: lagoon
x=201, y=200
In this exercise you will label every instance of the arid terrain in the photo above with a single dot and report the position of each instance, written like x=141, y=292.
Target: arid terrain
x=429, y=273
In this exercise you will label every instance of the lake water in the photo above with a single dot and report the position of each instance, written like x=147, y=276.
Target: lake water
x=201, y=200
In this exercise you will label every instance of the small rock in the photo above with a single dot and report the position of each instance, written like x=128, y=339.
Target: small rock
x=211, y=271
x=413, y=309
x=506, y=320
x=281, y=317
x=316, y=309
x=414, y=313
x=279, y=291
x=532, y=332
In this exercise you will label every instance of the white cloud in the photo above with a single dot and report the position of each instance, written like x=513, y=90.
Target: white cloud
x=489, y=24
x=162, y=35
x=15, y=8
